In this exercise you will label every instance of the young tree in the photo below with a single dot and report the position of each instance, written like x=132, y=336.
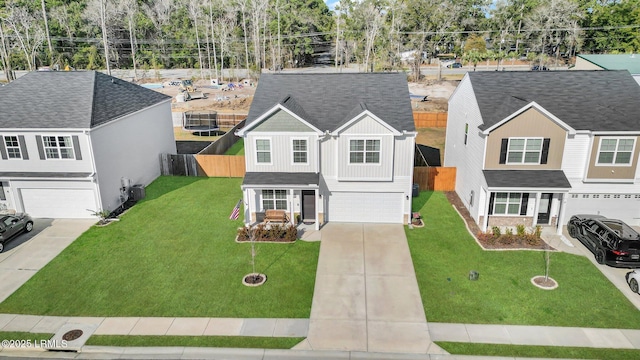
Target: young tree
x=46, y=28
x=26, y=31
x=195, y=11
x=129, y=8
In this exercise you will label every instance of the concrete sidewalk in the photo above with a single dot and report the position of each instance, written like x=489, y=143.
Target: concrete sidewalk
x=19, y=264
x=366, y=296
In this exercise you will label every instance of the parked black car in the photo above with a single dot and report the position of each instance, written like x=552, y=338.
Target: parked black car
x=539, y=68
x=13, y=225
x=611, y=241
x=454, y=65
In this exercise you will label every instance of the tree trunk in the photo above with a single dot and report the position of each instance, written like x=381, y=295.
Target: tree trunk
x=213, y=40
x=103, y=15
x=246, y=44
x=4, y=56
x=195, y=23
x=46, y=29
x=133, y=48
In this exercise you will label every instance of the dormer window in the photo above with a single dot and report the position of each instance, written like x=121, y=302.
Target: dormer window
x=365, y=151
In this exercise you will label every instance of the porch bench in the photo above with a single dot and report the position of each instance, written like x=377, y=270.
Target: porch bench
x=273, y=215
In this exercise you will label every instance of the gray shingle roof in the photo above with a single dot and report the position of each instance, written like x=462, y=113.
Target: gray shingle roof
x=328, y=100
x=585, y=100
x=280, y=178
x=526, y=179
x=75, y=99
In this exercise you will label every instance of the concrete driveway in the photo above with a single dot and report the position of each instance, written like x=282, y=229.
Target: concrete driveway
x=366, y=295
x=615, y=275
x=28, y=253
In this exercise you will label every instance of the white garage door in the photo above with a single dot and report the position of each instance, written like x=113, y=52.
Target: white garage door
x=615, y=206
x=58, y=203
x=366, y=207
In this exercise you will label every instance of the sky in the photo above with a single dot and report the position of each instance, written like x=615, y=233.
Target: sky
x=331, y=3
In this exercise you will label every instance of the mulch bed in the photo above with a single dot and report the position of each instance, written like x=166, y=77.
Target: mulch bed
x=505, y=242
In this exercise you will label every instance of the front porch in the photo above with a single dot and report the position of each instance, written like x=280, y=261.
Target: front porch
x=296, y=194
x=524, y=197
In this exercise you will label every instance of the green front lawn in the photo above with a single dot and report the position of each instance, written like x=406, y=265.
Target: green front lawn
x=521, y=351
x=444, y=252
x=172, y=254
x=253, y=342
x=237, y=148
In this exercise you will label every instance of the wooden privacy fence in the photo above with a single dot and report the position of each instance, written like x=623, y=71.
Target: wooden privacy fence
x=435, y=178
x=221, y=165
x=181, y=164
x=429, y=119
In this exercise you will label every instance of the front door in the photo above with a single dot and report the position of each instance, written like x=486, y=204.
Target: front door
x=544, y=210
x=308, y=205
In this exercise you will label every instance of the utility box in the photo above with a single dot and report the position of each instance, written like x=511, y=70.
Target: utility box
x=473, y=275
x=416, y=190
x=137, y=192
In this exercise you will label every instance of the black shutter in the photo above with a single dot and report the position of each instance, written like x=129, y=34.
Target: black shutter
x=491, y=198
x=23, y=148
x=545, y=151
x=3, y=150
x=76, y=147
x=40, y=147
x=503, y=151
x=525, y=202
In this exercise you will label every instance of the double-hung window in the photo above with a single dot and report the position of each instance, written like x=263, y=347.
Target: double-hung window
x=299, y=147
x=58, y=147
x=263, y=151
x=524, y=151
x=507, y=203
x=274, y=199
x=614, y=151
x=12, y=145
x=365, y=151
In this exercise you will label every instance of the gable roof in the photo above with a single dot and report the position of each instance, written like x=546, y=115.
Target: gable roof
x=327, y=101
x=585, y=100
x=76, y=100
x=630, y=62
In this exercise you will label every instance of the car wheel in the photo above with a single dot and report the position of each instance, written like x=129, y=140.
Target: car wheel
x=29, y=226
x=600, y=256
x=573, y=232
x=1, y=247
x=633, y=284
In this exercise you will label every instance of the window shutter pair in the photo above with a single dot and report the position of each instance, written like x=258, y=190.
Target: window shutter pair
x=543, y=156
x=76, y=147
x=23, y=149
x=523, y=204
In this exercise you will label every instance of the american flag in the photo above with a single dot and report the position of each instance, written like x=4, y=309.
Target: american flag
x=236, y=211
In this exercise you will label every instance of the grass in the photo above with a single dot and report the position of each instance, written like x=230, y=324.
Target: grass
x=444, y=252
x=538, y=351
x=181, y=134
x=195, y=341
x=172, y=254
x=237, y=148
x=20, y=335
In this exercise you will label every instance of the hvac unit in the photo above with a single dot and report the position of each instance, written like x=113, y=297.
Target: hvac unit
x=137, y=193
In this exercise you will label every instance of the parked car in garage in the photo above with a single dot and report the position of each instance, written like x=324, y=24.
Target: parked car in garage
x=12, y=226
x=612, y=241
x=633, y=279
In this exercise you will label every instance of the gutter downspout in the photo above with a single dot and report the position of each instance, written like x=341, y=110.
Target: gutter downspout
x=94, y=169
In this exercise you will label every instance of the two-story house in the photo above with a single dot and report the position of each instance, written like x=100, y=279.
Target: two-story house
x=71, y=143
x=330, y=147
x=534, y=148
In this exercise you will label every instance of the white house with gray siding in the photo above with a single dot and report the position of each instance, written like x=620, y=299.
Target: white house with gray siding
x=330, y=147
x=72, y=142
x=535, y=148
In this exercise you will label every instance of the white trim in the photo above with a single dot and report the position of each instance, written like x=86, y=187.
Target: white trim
x=291, y=152
x=6, y=147
x=529, y=190
x=57, y=147
x=507, y=203
x=364, y=152
x=536, y=106
x=359, y=117
x=615, y=133
x=275, y=199
x=615, y=152
x=242, y=132
x=255, y=150
x=524, y=150
x=617, y=181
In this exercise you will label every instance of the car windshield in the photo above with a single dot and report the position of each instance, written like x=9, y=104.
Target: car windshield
x=621, y=229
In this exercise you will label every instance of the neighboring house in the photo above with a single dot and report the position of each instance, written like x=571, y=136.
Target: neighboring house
x=330, y=147
x=534, y=148
x=629, y=62
x=71, y=142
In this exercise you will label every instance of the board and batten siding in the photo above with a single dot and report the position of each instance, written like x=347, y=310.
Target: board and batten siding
x=366, y=128
x=529, y=124
x=469, y=158
x=281, y=152
x=575, y=157
x=403, y=156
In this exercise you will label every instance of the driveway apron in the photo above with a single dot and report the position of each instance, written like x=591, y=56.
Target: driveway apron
x=366, y=295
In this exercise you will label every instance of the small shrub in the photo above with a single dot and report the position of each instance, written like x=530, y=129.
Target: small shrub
x=538, y=231
x=507, y=239
x=521, y=230
x=509, y=232
x=496, y=231
x=532, y=240
x=291, y=233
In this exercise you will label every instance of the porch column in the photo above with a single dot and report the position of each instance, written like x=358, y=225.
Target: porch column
x=485, y=221
x=315, y=193
x=560, y=221
x=291, y=207
x=536, y=209
x=247, y=210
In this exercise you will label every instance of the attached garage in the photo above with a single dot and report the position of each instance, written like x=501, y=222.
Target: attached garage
x=366, y=207
x=616, y=206
x=59, y=203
